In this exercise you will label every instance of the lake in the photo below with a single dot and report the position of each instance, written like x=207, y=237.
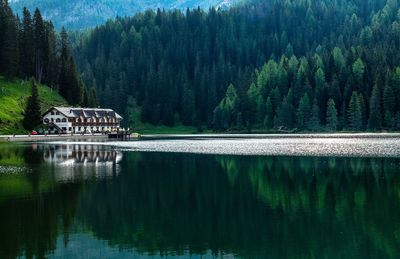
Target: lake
x=201, y=198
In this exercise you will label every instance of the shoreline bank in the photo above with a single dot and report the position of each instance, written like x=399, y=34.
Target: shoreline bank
x=34, y=138
x=268, y=136
x=135, y=136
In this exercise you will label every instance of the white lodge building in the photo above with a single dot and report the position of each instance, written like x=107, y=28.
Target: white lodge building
x=81, y=120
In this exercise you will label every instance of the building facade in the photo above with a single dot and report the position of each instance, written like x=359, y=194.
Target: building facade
x=81, y=120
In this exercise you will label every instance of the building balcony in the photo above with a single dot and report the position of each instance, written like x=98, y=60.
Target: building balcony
x=94, y=124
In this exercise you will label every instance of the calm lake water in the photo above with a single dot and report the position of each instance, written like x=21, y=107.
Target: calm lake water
x=251, y=198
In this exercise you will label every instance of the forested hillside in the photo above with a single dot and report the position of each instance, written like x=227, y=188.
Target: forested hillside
x=31, y=48
x=307, y=65
x=78, y=14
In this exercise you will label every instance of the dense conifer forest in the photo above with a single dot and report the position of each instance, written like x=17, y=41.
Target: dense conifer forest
x=265, y=65
x=278, y=64
x=31, y=48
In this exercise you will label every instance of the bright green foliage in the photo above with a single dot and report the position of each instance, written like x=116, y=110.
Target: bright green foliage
x=257, y=107
x=225, y=115
x=13, y=100
x=375, y=112
x=339, y=59
x=358, y=70
x=331, y=116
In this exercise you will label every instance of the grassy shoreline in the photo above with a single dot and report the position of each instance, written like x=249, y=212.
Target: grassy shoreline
x=13, y=97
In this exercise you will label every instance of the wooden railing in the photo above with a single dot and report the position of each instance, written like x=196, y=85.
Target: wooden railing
x=93, y=124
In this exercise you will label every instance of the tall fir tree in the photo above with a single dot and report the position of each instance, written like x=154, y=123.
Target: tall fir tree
x=9, y=52
x=314, y=121
x=40, y=45
x=269, y=117
x=303, y=112
x=27, y=44
x=389, y=105
x=375, y=112
x=32, y=114
x=355, y=112
x=331, y=116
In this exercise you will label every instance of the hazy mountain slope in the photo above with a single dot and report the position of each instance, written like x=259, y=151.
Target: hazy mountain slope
x=78, y=14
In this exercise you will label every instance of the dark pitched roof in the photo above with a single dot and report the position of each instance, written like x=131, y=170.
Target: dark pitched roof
x=72, y=112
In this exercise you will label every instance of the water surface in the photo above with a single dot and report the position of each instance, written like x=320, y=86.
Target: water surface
x=167, y=199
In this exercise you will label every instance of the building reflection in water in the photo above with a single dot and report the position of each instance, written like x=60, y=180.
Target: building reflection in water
x=73, y=162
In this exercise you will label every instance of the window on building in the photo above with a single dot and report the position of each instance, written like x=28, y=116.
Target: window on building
x=58, y=120
x=52, y=113
x=64, y=120
x=46, y=120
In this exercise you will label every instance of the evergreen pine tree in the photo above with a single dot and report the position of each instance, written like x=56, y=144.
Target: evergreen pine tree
x=331, y=116
x=92, y=96
x=9, y=56
x=40, y=45
x=320, y=93
x=32, y=114
x=314, y=122
x=389, y=105
x=26, y=44
x=85, y=99
x=269, y=117
x=375, y=115
x=355, y=112
x=63, y=79
x=303, y=112
x=188, y=105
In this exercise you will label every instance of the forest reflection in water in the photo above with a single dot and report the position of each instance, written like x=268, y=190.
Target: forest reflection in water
x=148, y=204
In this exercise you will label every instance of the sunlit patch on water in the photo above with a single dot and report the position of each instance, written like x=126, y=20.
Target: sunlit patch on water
x=13, y=170
x=342, y=147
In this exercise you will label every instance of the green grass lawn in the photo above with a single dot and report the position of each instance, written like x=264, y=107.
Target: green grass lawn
x=13, y=97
